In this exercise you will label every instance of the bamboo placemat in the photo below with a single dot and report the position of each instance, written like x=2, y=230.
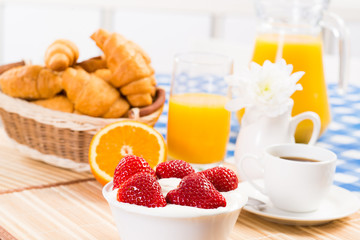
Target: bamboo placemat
x=18, y=172
x=78, y=211
x=75, y=211
x=39, y=201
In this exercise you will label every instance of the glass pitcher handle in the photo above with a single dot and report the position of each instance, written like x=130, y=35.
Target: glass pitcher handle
x=337, y=26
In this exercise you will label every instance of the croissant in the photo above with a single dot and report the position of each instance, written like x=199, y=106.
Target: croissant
x=92, y=64
x=144, y=85
x=126, y=60
x=139, y=100
x=58, y=103
x=104, y=74
x=61, y=54
x=93, y=96
x=31, y=82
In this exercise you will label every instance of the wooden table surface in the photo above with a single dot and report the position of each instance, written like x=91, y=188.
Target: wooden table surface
x=40, y=201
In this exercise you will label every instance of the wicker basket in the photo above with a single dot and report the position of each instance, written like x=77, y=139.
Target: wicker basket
x=58, y=138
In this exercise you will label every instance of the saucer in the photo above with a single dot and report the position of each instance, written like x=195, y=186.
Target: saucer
x=339, y=203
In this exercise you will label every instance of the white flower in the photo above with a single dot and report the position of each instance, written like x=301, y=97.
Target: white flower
x=267, y=88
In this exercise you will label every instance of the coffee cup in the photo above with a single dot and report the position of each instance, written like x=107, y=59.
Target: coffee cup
x=297, y=177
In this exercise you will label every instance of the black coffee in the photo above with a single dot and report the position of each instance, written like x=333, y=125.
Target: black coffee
x=300, y=159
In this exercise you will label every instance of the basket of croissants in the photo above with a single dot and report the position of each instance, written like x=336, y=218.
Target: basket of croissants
x=51, y=112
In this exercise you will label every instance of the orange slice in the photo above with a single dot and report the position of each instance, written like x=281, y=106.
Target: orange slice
x=118, y=139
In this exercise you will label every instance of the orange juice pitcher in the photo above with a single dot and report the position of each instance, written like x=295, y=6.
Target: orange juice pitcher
x=291, y=29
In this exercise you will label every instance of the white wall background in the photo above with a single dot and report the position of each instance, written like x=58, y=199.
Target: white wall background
x=161, y=27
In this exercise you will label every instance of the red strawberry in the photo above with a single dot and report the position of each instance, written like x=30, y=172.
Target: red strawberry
x=141, y=189
x=128, y=166
x=173, y=168
x=223, y=179
x=196, y=190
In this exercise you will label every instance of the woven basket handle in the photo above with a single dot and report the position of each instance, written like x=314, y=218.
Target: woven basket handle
x=5, y=67
x=136, y=113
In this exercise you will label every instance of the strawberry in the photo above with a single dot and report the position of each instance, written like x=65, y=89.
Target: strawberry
x=141, y=189
x=196, y=190
x=173, y=168
x=128, y=166
x=223, y=179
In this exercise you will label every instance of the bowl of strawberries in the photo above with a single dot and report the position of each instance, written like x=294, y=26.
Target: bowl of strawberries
x=174, y=201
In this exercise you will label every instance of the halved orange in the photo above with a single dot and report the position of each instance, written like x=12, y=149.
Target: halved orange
x=118, y=139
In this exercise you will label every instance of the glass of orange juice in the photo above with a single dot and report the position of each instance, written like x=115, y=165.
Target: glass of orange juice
x=198, y=123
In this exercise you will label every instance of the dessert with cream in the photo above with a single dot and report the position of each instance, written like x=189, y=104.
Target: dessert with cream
x=175, y=202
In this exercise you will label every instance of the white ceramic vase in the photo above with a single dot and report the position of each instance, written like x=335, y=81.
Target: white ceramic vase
x=259, y=130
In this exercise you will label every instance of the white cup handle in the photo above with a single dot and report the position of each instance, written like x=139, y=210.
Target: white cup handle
x=304, y=116
x=243, y=172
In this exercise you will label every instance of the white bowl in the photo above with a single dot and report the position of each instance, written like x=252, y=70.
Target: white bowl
x=175, y=222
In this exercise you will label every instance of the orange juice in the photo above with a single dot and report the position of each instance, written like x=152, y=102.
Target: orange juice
x=198, y=127
x=304, y=52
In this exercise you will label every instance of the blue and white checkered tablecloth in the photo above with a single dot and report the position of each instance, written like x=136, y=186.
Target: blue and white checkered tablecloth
x=342, y=135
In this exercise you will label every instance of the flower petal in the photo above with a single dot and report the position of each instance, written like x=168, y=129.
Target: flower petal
x=298, y=87
x=295, y=77
x=235, y=104
x=266, y=88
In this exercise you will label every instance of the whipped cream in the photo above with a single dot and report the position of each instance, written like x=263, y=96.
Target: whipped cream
x=168, y=184
x=234, y=200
